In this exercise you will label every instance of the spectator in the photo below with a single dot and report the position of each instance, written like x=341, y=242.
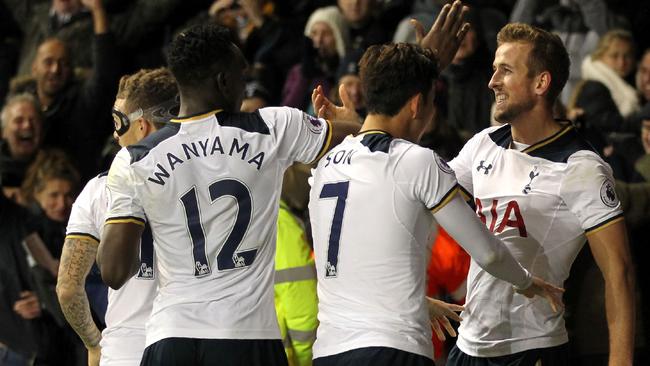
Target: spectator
x=604, y=100
x=643, y=77
x=77, y=113
x=72, y=21
x=21, y=138
x=322, y=52
x=579, y=23
x=365, y=27
x=18, y=303
x=347, y=76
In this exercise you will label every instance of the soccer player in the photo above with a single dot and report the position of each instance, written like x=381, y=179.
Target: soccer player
x=543, y=190
x=145, y=102
x=208, y=184
x=372, y=203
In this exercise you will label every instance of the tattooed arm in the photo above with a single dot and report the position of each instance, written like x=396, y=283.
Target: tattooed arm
x=76, y=261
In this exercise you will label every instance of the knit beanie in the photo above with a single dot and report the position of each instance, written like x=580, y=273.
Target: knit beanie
x=333, y=17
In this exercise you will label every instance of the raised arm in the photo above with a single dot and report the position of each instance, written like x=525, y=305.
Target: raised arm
x=490, y=253
x=610, y=249
x=77, y=259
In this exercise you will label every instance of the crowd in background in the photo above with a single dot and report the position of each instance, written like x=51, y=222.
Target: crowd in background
x=61, y=60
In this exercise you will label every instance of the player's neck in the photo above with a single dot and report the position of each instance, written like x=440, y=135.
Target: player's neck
x=194, y=103
x=383, y=123
x=534, y=127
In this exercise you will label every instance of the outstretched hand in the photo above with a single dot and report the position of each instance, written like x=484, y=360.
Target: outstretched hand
x=446, y=34
x=324, y=108
x=551, y=293
x=440, y=312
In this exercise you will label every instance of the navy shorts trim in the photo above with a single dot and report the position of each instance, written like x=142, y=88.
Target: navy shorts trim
x=552, y=356
x=374, y=356
x=208, y=352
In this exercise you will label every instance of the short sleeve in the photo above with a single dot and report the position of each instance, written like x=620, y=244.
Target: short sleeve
x=428, y=177
x=588, y=191
x=82, y=222
x=123, y=203
x=463, y=162
x=301, y=137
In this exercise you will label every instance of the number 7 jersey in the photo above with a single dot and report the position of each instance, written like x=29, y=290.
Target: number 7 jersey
x=209, y=187
x=370, y=209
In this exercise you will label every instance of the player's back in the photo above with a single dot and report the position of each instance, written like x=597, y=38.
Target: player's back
x=129, y=307
x=369, y=208
x=209, y=186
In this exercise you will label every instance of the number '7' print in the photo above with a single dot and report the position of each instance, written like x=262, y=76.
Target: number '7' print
x=339, y=191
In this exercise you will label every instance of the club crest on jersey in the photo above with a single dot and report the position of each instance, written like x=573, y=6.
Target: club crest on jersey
x=442, y=164
x=313, y=124
x=532, y=175
x=608, y=194
x=146, y=272
x=484, y=168
x=330, y=270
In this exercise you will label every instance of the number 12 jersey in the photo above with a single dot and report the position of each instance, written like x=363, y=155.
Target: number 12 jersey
x=209, y=187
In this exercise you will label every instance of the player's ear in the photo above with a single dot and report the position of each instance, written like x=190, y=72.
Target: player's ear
x=542, y=83
x=415, y=103
x=220, y=81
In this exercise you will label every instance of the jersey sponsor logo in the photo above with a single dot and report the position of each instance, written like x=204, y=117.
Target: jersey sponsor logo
x=485, y=168
x=442, y=164
x=511, y=217
x=314, y=125
x=608, y=194
x=532, y=175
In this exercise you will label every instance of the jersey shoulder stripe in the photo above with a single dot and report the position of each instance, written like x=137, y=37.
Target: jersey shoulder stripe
x=250, y=122
x=141, y=149
x=567, y=142
x=556, y=148
x=378, y=141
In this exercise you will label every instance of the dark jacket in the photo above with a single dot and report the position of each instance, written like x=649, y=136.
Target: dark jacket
x=79, y=120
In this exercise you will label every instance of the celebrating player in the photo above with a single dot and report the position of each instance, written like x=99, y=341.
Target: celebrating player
x=145, y=101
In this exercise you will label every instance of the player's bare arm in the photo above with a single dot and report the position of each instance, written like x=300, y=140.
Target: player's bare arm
x=77, y=259
x=490, y=253
x=118, y=255
x=611, y=251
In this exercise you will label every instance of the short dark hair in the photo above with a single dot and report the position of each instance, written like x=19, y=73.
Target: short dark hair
x=547, y=54
x=200, y=52
x=391, y=74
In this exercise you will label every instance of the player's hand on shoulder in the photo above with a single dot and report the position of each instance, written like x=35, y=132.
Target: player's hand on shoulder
x=550, y=292
x=446, y=34
x=439, y=313
x=324, y=107
x=94, y=354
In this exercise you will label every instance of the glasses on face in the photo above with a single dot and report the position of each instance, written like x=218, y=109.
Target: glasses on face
x=122, y=122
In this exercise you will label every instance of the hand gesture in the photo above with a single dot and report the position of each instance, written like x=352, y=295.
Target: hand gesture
x=440, y=312
x=219, y=5
x=28, y=306
x=94, y=354
x=551, y=293
x=446, y=34
x=324, y=108
x=253, y=9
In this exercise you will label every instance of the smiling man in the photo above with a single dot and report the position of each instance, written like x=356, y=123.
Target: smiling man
x=539, y=187
x=21, y=138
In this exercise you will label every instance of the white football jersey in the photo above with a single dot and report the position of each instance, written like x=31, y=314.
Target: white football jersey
x=129, y=307
x=541, y=202
x=209, y=186
x=370, y=210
